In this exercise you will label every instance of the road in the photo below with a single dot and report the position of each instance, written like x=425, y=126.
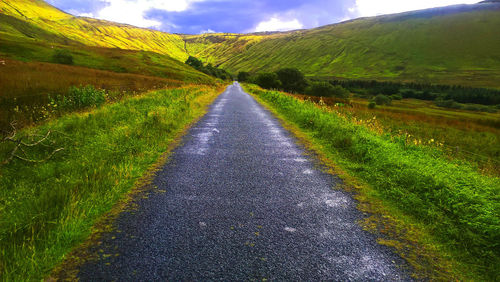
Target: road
x=242, y=201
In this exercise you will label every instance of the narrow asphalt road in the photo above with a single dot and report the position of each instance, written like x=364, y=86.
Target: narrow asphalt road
x=243, y=201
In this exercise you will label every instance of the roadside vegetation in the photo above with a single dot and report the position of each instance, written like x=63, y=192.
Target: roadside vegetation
x=468, y=132
x=28, y=87
x=208, y=68
x=48, y=208
x=451, y=204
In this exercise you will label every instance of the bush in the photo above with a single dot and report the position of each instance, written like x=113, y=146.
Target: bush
x=208, y=69
x=268, y=81
x=194, y=62
x=382, y=100
x=397, y=97
x=80, y=98
x=62, y=56
x=448, y=104
x=372, y=105
x=243, y=76
x=326, y=89
x=292, y=80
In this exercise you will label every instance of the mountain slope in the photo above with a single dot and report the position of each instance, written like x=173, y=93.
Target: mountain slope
x=456, y=44
x=450, y=45
x=89, y=31
x=30, y=30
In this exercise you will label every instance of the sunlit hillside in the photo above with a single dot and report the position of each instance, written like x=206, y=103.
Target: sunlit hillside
x=51, y=23
x=451, y=45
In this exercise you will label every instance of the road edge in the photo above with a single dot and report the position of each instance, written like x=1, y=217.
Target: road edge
x=69, y=267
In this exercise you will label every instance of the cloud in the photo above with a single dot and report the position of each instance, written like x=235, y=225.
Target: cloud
x=195, y=16
x=366, y=8
x=207, y=31
x=81, y=14
x=134, y=12
x=275, y=24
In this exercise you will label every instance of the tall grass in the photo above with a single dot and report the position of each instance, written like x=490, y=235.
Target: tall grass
x=25, y=87
x=455, y=203
x=48, y=208
x=465, y=135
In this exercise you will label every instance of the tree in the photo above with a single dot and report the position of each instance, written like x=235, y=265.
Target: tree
x=326, y=89
x=243, y=76
x=268, y=81
x=292, y=80
x=382, y=100
x=194, y=62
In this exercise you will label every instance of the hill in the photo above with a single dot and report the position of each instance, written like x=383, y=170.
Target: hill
x=450, y=45
x=59, y=26
x=30, y=30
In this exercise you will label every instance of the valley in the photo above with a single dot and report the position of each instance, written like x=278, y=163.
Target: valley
x=381, y=134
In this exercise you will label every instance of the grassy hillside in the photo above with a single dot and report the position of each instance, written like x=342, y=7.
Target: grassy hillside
x=452, y=45
x=110, y=59
x=55, y=24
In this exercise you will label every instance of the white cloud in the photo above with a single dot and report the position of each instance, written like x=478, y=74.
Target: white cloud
x=366, y=8
x=87, y=15
x=133, y=12
x=207, y=31
x=275, y=24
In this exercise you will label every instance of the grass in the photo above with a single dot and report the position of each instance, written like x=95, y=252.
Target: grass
x=109, y=59
x=445, y=207
x=26, y=87
x=45, y=22
x=48, y=208
x=465, y=135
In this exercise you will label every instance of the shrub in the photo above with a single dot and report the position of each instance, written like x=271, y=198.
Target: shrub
x=448, y=104
x=62, y=56
x=326, y=89
x=397, y=97
x=382, y=100
x=372, y=105
x=292, y=80
x=194, y=62
x=268, y=81
x=79, y=98
x=243, y=76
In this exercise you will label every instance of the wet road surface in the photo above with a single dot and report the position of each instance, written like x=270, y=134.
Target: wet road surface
x=242, y=201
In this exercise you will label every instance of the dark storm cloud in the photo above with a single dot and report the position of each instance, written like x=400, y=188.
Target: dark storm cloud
x=230, y=16
x=244, y=16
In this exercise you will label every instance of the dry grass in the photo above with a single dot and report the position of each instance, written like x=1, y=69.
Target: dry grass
x=26, y=86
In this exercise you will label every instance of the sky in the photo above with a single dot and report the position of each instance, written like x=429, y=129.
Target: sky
x=239, y=16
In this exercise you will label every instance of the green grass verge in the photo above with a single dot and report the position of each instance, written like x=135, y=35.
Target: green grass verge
x=455, y=207
x=48, y=208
